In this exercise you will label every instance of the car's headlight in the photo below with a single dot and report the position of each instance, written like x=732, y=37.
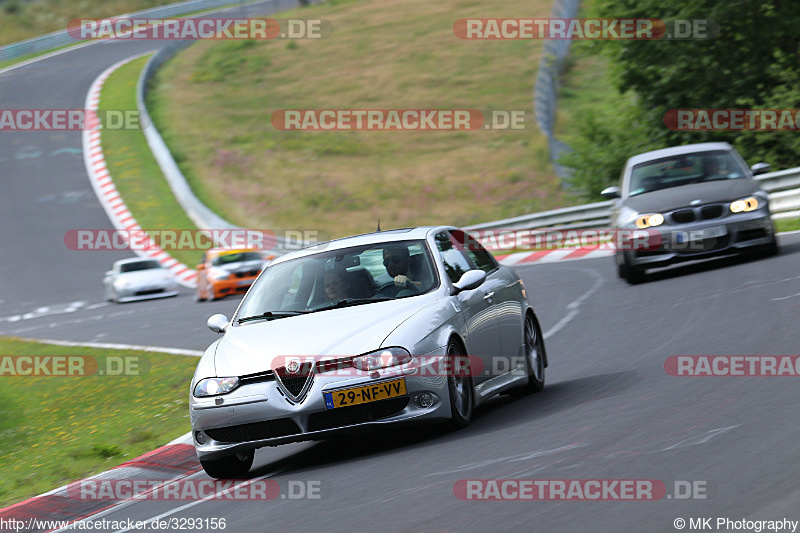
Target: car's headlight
x=381, y=359
x=215, y=386
x=218, y=273
x=649, y=221
x=744, y=205
x=122, y=283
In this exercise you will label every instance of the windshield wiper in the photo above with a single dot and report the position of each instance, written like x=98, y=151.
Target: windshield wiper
x=269, y=315
x=347, y=302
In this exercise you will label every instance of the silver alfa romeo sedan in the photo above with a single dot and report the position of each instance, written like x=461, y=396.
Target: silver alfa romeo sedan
x=408, y=325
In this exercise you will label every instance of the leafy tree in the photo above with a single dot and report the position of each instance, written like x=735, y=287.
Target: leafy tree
x=753, y=63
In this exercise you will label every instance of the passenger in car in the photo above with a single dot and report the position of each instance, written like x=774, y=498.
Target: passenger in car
x=335, y=286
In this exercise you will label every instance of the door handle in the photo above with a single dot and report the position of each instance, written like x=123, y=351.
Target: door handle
x=488, y=296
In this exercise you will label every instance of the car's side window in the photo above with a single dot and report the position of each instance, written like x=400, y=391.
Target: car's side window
x=475, y=251
x=455, y=262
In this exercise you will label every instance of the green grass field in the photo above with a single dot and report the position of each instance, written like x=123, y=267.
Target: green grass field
x=791, y=224
x=213, y=104
x=56, y=429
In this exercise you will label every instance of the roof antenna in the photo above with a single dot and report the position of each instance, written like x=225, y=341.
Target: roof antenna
x=379, y=224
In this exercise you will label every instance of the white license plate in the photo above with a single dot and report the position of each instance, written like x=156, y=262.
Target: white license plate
x=708, y=233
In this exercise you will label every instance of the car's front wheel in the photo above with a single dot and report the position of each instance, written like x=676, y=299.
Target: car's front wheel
x=632, y=274
x=229, y=467
x=459, y=383
x=534, y=357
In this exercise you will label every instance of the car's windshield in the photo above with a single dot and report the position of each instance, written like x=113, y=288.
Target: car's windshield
x=237, y=257
x=342, y=277
x=684, y=170
x=139, y=265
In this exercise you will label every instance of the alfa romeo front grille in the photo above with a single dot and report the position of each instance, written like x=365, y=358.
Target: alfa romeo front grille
x=295, y=381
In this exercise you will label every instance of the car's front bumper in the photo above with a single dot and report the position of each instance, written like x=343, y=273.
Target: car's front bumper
x=259, y=414
x=227, y=287
x=744, y=231
x=133, y=294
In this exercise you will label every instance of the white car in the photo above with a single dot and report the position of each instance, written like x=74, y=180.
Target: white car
x=138, y=279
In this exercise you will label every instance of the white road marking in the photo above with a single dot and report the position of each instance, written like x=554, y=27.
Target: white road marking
x=198, y=502
x=511, y=458
x=795, y=295
x=700, y=439
x=55, y=309
x=115, y=346
x=574, y=306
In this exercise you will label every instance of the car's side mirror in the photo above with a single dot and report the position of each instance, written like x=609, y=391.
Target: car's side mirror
x=610, y=192
x=471, y=279
x=217, y=323
x=109, y=273
x=201, y=266
x=760, y=168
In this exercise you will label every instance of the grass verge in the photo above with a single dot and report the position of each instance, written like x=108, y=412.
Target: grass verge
x=135, y=171
x=214, y=101
x=57, y=429
x=791, y=224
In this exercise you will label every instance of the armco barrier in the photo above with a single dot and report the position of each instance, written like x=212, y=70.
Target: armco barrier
x=783, y=188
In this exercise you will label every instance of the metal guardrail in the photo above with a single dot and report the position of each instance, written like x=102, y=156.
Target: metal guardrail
x=783, y=188
x=60, y=38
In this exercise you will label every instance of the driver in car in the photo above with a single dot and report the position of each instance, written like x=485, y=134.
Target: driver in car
x=398, y=264
x=712, y=170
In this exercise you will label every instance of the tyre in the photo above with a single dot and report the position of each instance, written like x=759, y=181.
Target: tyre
x=771, y=249
x=534, y=357
x=633, y=275
x=460, y=391
x=230, y=467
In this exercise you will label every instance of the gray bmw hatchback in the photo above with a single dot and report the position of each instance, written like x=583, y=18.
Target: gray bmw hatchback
x=692, y=202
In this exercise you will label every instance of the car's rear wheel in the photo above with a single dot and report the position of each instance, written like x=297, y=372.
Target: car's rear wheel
x=230, y=467
x=534, y=357
x=459, y=383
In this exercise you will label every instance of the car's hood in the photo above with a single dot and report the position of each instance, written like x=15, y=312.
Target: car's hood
x=140, y=277
x=677, y=197
x=251, y=347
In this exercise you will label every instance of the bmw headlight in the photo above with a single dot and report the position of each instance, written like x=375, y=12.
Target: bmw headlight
x=744, y=205
x=630, y=217
x=649, y=221
x=381, y=359
x=215, y=386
